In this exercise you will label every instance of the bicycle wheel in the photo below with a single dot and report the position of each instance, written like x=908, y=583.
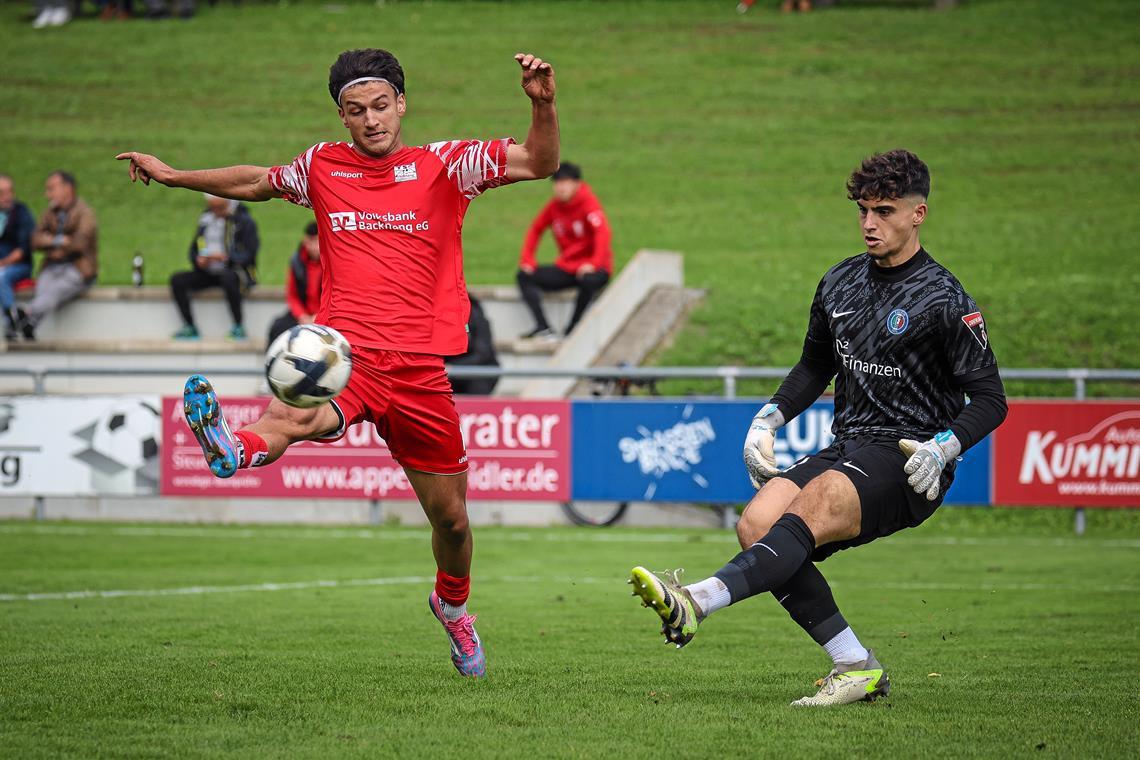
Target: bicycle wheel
x=594, y=514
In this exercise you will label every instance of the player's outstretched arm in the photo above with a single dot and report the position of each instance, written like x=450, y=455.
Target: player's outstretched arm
x=241, y=183
x=536, y=158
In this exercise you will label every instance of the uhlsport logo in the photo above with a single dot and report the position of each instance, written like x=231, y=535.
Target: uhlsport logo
x=343, y=221
x=897, y=322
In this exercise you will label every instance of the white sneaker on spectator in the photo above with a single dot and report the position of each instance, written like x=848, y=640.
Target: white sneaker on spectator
x=62, y=16
x=47, y=15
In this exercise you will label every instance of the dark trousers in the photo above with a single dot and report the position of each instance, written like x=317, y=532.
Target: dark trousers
x=280, y=325
x=182, y=284
x=547, y=278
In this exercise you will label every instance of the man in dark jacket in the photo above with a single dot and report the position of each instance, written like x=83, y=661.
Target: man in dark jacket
x=302, y=285
x=480, y=353
x=224, y=254
x=16, y=227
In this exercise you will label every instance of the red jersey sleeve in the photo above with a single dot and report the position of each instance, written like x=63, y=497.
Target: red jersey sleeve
x=474, y=165
x=533, y=233
x=292, y=180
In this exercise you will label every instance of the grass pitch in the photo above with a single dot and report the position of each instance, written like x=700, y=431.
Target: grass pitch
x=1004, y=634
x=726, y=137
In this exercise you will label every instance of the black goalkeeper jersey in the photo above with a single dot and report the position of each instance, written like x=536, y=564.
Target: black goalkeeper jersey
x=901, y=342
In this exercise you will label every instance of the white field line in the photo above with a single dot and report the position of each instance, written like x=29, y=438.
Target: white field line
x=530, y=536
x=615, y=582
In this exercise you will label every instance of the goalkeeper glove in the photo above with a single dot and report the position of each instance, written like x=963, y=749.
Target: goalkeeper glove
x=927, y=461
x=759, y=445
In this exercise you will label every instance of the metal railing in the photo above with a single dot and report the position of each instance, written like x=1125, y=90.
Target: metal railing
x=729, y=376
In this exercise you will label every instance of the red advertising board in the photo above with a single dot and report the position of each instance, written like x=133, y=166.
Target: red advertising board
x=1068, y=453
x=516, y=450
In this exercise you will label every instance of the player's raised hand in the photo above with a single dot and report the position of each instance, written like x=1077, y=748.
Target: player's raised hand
x=537, y=78
x=760, y=445
x=926, y=461
x=146, y=167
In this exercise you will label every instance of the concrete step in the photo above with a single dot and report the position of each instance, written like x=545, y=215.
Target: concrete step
x=608, y=316
x=150, y=314
x=161, y=366
x=120, y=328
x=197, y=347
x=659, y=314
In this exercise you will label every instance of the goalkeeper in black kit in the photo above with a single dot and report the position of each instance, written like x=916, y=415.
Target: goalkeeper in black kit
x=906, y=345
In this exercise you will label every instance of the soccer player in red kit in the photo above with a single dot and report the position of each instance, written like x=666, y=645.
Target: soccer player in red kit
x=389, y=220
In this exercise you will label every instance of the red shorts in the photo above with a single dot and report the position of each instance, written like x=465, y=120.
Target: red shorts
x=407, y=396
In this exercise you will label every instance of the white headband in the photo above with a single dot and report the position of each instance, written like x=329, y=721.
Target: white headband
x=340, y=94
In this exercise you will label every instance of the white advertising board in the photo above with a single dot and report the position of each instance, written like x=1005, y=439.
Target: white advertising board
x=79, y=445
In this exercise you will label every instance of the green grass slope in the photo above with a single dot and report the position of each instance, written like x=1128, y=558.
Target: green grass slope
x=1003, y=637
x=726, y=137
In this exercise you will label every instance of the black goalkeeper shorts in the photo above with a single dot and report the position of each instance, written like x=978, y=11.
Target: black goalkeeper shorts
x=875, y=467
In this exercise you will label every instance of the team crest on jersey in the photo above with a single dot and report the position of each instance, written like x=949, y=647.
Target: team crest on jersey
x=897, y=322
x=405, y=173
x=977, y=327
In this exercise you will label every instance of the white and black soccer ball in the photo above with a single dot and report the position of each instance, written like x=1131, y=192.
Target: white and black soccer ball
x=308, y=365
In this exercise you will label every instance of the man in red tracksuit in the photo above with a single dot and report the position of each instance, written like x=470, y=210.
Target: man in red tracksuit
x=585, y=260
x=302, y=285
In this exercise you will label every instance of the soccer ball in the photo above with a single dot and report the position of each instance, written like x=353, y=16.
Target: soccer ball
x=308, y=365
x=122, y=448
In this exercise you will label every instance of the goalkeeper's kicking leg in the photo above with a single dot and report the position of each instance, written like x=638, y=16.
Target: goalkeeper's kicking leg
x=779, y=531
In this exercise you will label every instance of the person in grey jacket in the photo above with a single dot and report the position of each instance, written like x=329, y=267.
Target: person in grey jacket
x=224, y=255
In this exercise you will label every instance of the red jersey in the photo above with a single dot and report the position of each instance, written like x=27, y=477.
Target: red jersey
x=580, y=230
x=390, y=235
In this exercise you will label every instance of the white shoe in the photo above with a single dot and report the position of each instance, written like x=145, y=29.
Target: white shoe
x=845, y=684
x=47, y=15
x=62, y=16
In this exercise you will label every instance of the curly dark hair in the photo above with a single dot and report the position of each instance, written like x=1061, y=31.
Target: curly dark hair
x=368, y=62
x=894, y=174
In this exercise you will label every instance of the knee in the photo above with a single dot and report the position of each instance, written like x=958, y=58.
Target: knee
x=751, y=528
x=523, y=278
x=450, y=520
x=829, y=505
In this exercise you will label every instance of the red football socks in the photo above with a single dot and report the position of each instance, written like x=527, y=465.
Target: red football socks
x=452, y=590
x=252, y=449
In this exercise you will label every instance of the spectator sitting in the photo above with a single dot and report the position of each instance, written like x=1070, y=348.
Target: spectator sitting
x=480, y=353
x=68, y=235
x=16, y=227
x=223, y=252
x=302, y=285
x=585, y=259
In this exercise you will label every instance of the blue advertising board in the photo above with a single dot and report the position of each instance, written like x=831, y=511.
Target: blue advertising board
x=689, y=451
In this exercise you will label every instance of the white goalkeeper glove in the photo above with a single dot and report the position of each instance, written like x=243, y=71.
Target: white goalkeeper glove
x=759, y=445
x=927, y=461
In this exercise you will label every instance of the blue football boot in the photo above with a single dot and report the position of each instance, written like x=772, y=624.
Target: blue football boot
x=204, y=416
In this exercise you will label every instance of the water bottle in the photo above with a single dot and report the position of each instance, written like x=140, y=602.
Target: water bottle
x=137, y=270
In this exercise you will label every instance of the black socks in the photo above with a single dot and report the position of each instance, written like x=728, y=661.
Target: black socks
x=770, y=562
